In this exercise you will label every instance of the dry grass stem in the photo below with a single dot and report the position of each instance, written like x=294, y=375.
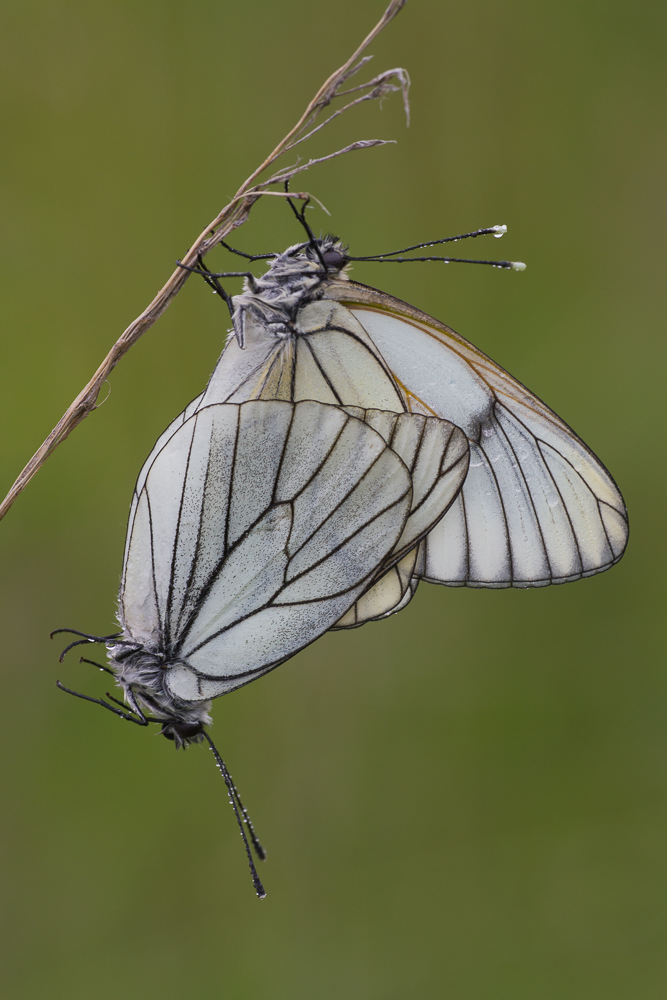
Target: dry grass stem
x=379, y=87
x=284, y=175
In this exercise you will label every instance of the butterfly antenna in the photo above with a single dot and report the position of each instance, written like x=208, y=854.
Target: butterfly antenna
x=512, y=265
x=497, y=231
x=301, y=216
x=259, y=849
x=239, y=810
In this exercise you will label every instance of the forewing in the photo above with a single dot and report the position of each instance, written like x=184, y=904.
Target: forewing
x=256, y=527
x=537, y=506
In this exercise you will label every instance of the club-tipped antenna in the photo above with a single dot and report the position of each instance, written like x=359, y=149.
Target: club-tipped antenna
x=496, y=231
x=512, y=265
x=136, y=715
x=259, y=850
x=240, y=812
x=392, y=256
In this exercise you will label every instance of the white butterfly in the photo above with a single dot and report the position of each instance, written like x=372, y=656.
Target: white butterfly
x=254, y=528
x=537, y=506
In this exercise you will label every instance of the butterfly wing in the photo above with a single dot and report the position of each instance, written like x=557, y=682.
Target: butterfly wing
x=331, y=359
x=436, y=455
x=379, y=601
x=255, y=528
x=537, y=506
x=138, y=573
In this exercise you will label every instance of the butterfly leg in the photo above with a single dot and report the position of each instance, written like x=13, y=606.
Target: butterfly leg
x=128, y=717
x=100, y=666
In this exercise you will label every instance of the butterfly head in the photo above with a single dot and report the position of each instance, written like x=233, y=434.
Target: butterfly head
x=330, y=252
x=319, y=258
x=182, y=733
x=293, y=277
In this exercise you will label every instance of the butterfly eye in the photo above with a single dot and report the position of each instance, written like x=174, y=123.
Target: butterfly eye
x=334, y=258
x=183, y=730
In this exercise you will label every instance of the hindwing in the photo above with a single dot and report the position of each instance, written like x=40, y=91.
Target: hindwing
x=537, y=506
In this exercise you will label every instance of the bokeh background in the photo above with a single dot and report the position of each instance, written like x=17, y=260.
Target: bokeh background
x=470, y=799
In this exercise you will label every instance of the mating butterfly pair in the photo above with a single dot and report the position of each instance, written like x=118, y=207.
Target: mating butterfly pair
x=346, y=446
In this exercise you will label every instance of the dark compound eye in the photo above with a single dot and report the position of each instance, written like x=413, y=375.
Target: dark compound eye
x=182, y=730
x=334, y=258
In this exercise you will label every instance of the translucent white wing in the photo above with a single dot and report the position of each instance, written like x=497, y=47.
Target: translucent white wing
x=331, y=359
x=537, y=506
x=159, y=445
x=436, y=455
x=255, y=527
x=391, y=593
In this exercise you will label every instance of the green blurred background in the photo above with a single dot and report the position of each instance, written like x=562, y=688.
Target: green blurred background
x=466, y=801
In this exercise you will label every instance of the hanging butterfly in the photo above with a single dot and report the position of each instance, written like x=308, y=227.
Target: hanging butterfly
x=254, y=528
x=537, y=506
